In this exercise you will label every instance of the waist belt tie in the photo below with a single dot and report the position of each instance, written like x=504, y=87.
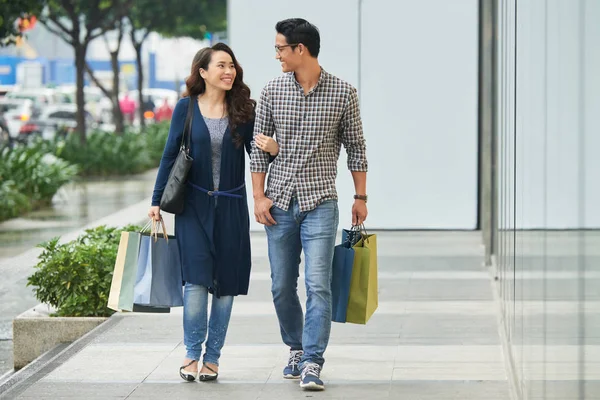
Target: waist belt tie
x=216, y=193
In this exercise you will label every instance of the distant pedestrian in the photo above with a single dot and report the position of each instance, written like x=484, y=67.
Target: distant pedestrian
x=127, y=106
x=164, y=112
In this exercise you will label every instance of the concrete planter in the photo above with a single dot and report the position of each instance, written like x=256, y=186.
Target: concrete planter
x=36, y=332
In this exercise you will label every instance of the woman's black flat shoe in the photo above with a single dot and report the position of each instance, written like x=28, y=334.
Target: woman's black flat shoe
x=203, y=377
x=188, y=376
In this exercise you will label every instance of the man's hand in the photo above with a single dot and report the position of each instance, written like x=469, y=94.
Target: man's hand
x=359, y=212
x=262, y=211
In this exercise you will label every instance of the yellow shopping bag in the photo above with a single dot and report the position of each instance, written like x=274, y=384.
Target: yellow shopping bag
x=363, y=299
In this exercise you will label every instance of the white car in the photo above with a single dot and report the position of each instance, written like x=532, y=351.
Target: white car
x=40, y=96
x=17, y=112
x=60, y=118
x=93, y=98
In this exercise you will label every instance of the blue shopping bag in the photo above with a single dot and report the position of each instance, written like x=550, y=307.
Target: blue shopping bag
x=343, y=260
x=159, y=278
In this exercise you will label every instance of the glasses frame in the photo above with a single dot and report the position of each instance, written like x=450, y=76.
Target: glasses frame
x=279, y=48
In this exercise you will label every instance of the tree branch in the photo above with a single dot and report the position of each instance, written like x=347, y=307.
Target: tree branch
x=91, y=36
x=134, y=30
x=120, y=37
x=63, y=33
x=106, y=92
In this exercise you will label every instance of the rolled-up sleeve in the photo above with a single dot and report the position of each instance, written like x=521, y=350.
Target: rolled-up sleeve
x=259, y=160
x=352, y=137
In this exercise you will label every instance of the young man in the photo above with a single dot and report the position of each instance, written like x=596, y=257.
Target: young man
x=312, y=113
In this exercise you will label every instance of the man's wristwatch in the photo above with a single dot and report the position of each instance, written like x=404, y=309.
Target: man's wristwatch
x=360, y=197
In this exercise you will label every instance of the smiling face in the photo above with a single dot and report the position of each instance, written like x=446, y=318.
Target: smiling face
x=220, y=72
x=288, y=54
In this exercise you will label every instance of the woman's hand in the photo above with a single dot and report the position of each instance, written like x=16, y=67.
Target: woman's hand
x=267, y=144
x=154, y=213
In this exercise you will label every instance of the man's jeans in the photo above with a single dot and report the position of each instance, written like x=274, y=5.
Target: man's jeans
x=314, y=232
x=195, y=318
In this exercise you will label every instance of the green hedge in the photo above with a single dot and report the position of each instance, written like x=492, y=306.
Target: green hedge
x=106, y=154
x=29, y=178
x=31, y=174
x=75, y=277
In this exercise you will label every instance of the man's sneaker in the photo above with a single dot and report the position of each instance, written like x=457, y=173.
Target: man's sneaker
x=310, y=377
x=292, y=369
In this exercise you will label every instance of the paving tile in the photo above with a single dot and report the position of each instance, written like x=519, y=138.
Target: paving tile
x=127, y=362
x=450, y=371
x=476, y=390
x=60, y=390
x=197, y=390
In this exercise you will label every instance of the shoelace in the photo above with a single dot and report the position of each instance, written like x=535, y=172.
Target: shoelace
x=295, y=357
x=311, y=369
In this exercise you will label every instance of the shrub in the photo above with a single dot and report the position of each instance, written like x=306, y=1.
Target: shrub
x=13, y=202
x=107, y=154
x=75, y=277
x=30, y=177
x=156, y=138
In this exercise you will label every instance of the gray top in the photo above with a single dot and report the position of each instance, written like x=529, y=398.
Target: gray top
x=216, y=128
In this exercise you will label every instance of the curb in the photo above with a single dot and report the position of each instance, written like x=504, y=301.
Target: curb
x=18, y=382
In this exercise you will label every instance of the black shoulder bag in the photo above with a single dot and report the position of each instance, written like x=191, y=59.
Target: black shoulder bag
x=173, y=197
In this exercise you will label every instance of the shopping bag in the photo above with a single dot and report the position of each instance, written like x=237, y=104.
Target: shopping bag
x=343, y=262
x=158, y=280
x=126, y=264
x=363, y=297
x=147, y=275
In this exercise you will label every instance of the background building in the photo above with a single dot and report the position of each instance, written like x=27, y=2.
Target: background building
x=415, y=66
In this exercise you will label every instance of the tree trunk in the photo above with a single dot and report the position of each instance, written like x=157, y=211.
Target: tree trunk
x=117, y=114
x=140, y=82
x=80, y=50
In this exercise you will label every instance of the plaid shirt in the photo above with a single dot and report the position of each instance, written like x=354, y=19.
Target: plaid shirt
x=310, y=130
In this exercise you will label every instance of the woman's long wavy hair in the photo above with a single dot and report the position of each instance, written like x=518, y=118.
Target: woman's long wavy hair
x=240, y=106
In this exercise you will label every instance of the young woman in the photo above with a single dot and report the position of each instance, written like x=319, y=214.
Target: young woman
x=213, y=230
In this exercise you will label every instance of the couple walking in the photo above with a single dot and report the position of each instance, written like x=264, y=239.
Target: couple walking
x=311, y=113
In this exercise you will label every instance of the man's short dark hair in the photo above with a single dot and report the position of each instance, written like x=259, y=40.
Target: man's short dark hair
x=298, y=30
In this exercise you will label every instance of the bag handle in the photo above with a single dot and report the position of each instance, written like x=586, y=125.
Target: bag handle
x=153, y=226
x=187, y=128
x=362, y=230
x=146, y=227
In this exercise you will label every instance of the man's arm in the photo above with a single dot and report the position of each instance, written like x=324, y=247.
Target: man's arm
x=259, y=160
x=351, y=132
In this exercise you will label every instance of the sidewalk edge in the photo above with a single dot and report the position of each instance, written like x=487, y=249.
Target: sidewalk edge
x=19, y=381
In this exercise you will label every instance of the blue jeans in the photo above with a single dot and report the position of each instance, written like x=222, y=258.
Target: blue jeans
x=314, y=232
x=195, y=319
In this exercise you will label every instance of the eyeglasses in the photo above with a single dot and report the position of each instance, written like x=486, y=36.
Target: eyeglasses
x=278, y=48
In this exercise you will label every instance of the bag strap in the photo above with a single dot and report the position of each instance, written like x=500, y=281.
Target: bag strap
x=187, y=128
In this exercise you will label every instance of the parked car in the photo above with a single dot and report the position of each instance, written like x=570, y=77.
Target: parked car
x=58, y=120
x=17, y=112
x=41, y=97
x=93, y=97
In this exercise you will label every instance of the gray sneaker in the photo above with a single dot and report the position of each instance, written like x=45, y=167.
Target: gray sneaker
x=292, y=369
x=310, y=377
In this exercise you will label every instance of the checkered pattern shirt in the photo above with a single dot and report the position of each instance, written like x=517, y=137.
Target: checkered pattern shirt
x=310, y=130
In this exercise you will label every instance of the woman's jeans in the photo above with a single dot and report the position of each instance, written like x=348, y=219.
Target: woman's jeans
x=314, y=232
x=195, y=321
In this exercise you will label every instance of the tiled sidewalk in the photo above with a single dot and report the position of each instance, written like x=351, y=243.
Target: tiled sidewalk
x=434, y=337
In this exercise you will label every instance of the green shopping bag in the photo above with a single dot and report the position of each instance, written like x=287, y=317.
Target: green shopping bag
x=363, y=299
x=124, y=274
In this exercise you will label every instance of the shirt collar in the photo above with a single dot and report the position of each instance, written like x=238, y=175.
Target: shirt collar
x=321, y=80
